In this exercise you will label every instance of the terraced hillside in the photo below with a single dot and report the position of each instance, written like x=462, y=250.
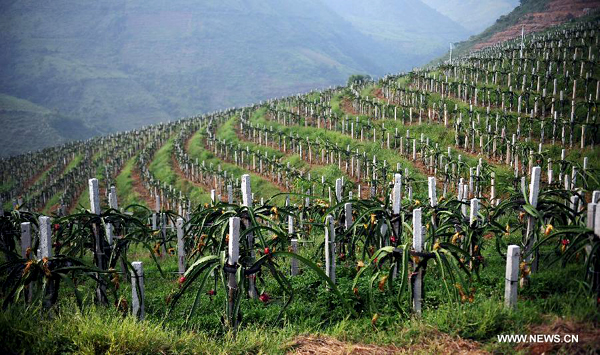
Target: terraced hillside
x=458, y=202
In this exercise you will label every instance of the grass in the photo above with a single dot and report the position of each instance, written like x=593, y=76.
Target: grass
x=161, y=166
x=42, y=176
x=260, y=186
x=53, y=201
x=7, y=185
x=330, y=172
x=554, y=292
x=343, y=140
x=4, y=187
x=124, y=184
x=73, y=163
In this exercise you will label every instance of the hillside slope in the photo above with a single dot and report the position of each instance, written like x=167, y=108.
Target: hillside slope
x=122, y=64
x=27, y=127
x=548, y=14
x=529, y=16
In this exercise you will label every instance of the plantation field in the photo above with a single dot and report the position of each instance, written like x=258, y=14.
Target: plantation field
x=430, y=212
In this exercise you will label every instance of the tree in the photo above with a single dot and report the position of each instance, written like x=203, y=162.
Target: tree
x=358, y=79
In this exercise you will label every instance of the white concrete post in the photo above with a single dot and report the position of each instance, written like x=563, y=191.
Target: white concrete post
x=330, y=248
x=180, y=246
x=247, y=202
x=418, y=247
x=25, y=247
x=397, y=194
x=45, y=237
x=597, y=221
x=25, y=239
x=534, y=190
x=246, y=191
x=432, y=192
x=112, y=198
x=109, y=233
x=512, y=276
x=234, y=241
x=46, y=252
x=294, y=245
x=232, y=259
x=137, y=289
x=338, y=190
x=474, y=211
x=347, y=215
x=230, y=194
x=94, y=196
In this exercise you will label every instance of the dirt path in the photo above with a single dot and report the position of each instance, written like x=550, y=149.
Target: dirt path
x=281, y=188
x=241, y=138
x=347, y=107
x=181, y=175
x=36, y=177
x=417, y=164
x=494, y=162
x=139, y=188
x=71, y=207
x=188, y=141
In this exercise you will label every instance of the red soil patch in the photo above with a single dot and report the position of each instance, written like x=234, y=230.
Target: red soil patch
x=73, y=203
x=181, y=175
x=377, y=92
x=436, y=343
x=347, y=107
x=268, y=178
x=36, y=177
x=557, y=12
x=241, y=137
x=139, y=188
x=588, y=342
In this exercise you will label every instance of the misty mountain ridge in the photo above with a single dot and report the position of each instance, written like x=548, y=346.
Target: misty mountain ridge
x=112, y=66
x=474, y=15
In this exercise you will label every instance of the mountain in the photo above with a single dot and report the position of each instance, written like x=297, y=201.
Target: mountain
x=529, y=16
x=409, y=26
x=474, y=15
x=27, y=127
x=119, y=64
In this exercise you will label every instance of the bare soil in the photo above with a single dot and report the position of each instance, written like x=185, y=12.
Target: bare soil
x=139, y=188
x=241, y=138
x=439, y=343
x=589, y=338
x=36, y=177
x=557, y=12
x=347, y=107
